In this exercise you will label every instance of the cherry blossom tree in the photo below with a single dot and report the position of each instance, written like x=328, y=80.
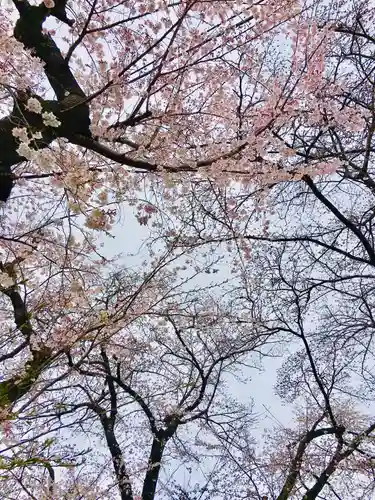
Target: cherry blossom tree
x=240, y=134
x=150, y=351
x=71, y=126
x=73, y=122
x=311, y=245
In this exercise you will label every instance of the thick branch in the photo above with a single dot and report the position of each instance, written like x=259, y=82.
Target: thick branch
x=338, y=457
x=138, y=399
x=70, y=108
x=28, y=31
x=298, y=458
x=352, y=227
x=14, y=388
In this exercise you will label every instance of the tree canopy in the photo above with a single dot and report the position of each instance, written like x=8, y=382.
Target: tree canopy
x=187, y=195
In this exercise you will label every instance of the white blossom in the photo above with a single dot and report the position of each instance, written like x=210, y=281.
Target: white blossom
x=50, y=120
x=25, y=151
x=5, y=280
x=34, y=105
x=37, y=135
x=21, y=134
